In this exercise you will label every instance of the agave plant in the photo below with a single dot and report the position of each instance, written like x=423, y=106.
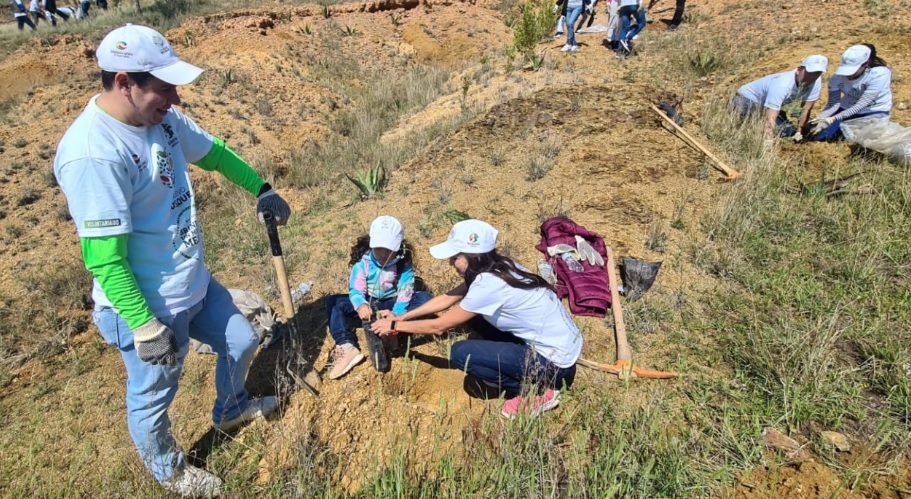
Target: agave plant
x=369, y=182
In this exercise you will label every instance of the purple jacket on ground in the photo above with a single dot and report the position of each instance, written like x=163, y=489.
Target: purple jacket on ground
x=588, y=291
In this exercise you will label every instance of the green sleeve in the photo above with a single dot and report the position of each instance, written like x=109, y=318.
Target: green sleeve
x=225, y=161
x=106, y=258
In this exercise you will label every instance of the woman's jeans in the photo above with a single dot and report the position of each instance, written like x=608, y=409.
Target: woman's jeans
x=505, y=360
x=833, y=131
x=340, y=310
x=572, y=15
x=215, y=321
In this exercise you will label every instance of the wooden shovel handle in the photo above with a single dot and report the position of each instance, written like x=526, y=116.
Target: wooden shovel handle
x=721, y=165
x=623, y=350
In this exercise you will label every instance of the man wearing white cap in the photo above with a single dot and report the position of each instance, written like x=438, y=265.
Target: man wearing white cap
x=122, y=165
x=861, y=87
x=772, y=93
x=530, y=344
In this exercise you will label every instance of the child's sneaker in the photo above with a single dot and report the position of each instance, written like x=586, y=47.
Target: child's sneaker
x=344, y=358
x=531, y=406
x=566, y=48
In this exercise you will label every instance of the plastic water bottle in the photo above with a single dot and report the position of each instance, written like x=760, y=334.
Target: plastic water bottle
x=571, y=262
x=300, y=291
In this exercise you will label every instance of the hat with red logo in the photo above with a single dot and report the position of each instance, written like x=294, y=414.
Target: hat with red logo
x=139, y=49
x=467, y=236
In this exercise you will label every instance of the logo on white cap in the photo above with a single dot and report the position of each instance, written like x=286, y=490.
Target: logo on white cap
x=139, y=49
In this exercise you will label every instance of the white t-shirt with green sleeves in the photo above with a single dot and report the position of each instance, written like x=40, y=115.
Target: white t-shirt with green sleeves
x=121, y=179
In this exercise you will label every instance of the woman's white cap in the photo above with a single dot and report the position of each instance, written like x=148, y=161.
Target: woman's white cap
x=386, y=232
x=852, y=59
x=139, y=49
x=467, y=236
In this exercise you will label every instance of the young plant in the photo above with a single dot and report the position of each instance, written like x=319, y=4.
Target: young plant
x=370, y=182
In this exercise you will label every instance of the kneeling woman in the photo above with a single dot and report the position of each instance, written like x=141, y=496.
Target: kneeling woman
x=530, y=344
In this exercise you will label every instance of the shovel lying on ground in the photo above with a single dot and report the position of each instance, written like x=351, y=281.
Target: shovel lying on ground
x=278, y=260
x=624, y=366
x=720, y=165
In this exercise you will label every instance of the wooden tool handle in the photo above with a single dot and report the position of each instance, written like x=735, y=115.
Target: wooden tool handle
x=623, y=349
x=721, y=165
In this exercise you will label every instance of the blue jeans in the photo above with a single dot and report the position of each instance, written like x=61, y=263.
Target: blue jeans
x=215, y=321
x=507, y=361
x=833, y=131
x=571, y=17
x=339, y=310
x=627, y=13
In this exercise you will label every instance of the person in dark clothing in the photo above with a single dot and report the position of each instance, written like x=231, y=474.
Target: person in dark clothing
x=678, y=15
x=50, y=8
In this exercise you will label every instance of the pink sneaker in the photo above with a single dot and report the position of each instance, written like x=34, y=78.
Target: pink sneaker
x=531, y=407
x=344, y=358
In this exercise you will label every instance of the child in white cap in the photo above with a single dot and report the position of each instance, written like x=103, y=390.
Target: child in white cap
x=861, y=87
x=382, y=278
x=770, y=95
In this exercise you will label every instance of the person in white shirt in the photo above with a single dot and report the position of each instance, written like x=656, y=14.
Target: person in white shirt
x=21, y=15
x=123, y=167
x=530, y=344
x=861, y=87
x=770, y=95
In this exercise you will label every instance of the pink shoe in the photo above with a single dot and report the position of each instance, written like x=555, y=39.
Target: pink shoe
x=344, y=358
x=531, y=407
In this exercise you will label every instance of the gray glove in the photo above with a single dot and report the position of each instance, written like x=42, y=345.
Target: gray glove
x=155, y=343
x=819, y=125
x=270, y=201
x=798, y=137
x=588, y=252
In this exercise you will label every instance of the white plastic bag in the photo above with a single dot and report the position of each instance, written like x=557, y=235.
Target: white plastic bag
x=881, y=135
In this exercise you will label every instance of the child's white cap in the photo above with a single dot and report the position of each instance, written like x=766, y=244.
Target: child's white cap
x=386, y=232
x=467, y=236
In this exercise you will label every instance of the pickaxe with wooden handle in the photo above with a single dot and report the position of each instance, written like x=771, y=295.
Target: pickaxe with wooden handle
x=721, y=165
x=624, y=366
x=278, y=260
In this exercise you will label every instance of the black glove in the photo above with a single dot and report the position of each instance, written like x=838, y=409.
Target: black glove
x=155, y=343
x=270, y=201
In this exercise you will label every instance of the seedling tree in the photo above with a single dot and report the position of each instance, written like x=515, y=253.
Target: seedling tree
x=538, y=19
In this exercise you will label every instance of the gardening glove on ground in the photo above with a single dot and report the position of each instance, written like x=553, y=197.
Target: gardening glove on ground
x=155, y=343
x=560, y=248
x=270, y=201
x=819, y=125
x=798, y=137
x=588, y=252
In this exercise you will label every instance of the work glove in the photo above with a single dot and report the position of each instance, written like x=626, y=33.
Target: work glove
x=155, y=343
x=556, y=8
x=270, y=201
x=588, y=252
x=560, y=248
x=819, y=125
x=589, y=10
x=797, y=137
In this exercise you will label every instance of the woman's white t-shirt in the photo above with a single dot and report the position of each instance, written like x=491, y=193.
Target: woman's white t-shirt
x=535, y=316
x=878, y=80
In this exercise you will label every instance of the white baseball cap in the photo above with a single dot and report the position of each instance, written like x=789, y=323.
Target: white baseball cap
x=386, y=232
x=852, y=59
x=467, y=236
x=815, y=64
x=139, y=49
